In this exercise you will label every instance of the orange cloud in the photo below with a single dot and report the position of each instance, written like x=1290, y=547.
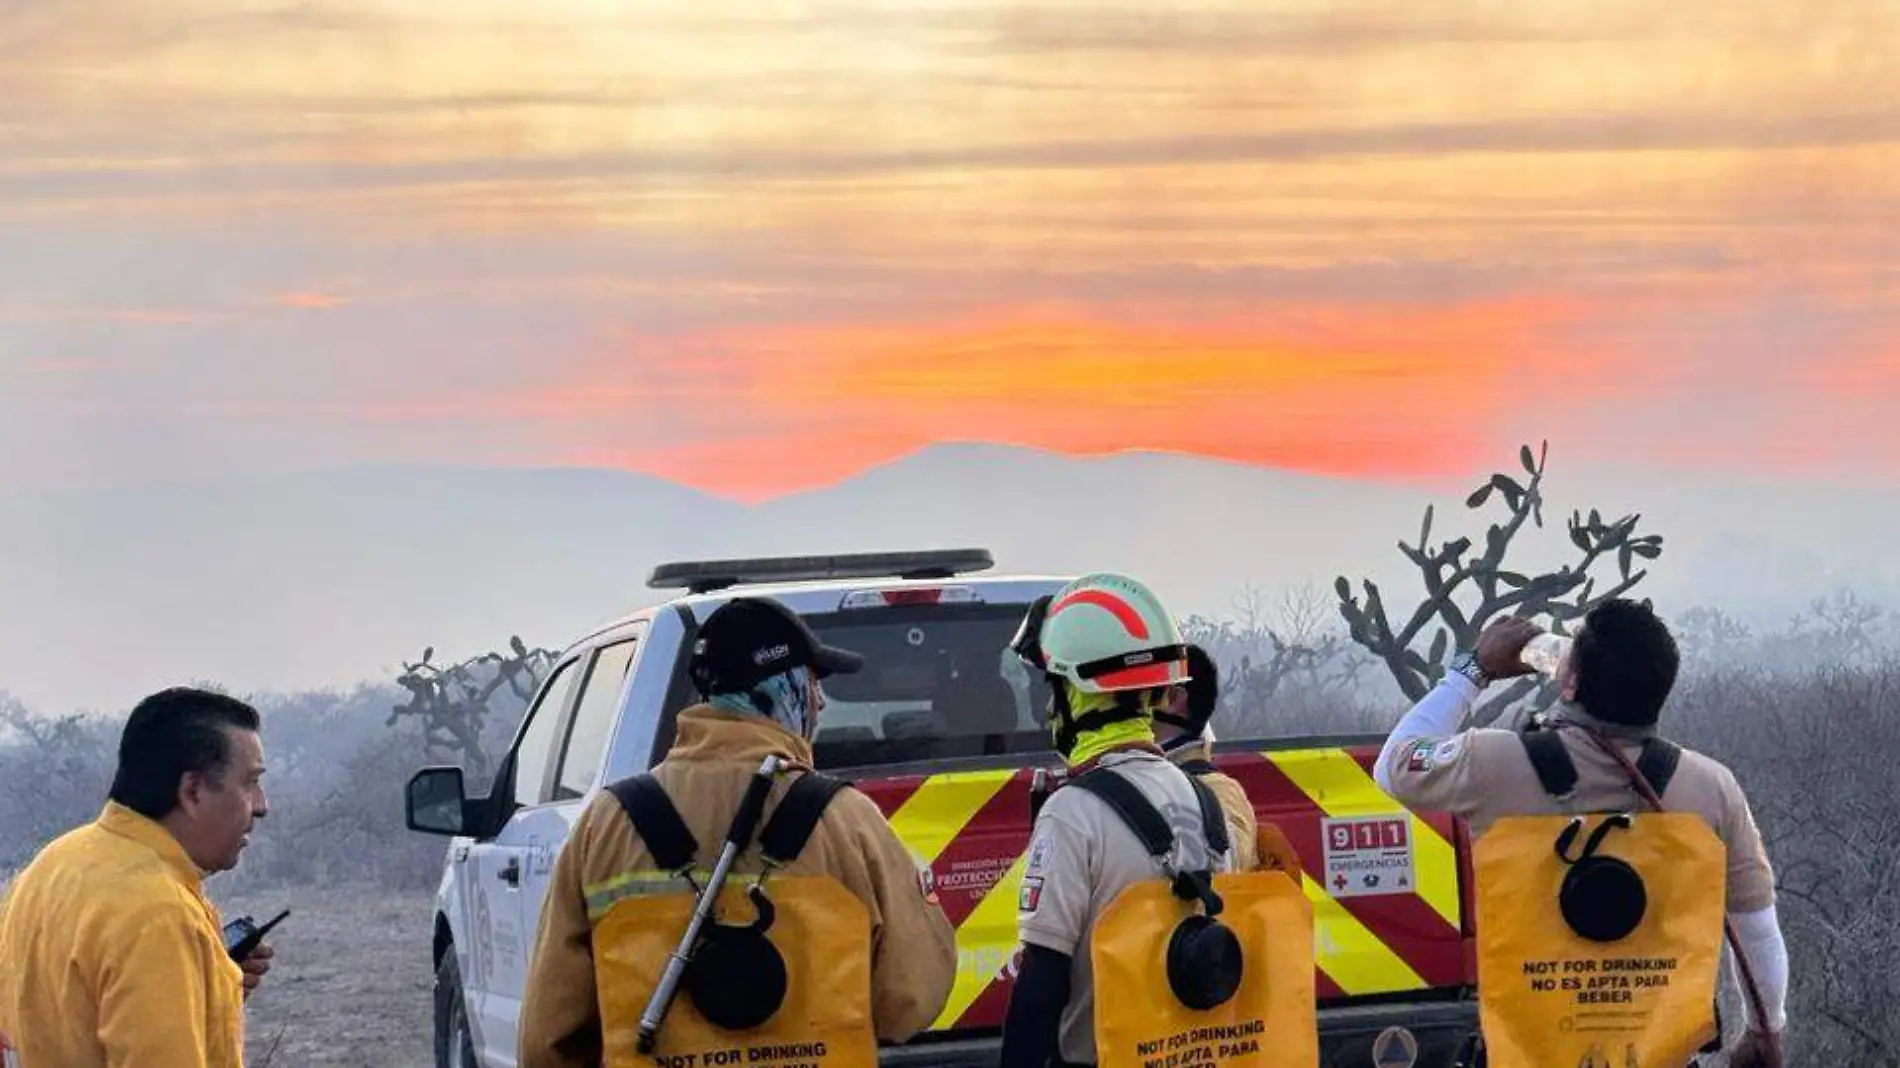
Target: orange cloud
x=309, y=301
x=1404, y=393
x=1875, y=374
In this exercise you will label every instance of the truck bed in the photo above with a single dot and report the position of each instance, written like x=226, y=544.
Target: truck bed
x=1387, y=885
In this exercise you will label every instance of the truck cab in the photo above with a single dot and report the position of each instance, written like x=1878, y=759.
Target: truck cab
x=944, y=730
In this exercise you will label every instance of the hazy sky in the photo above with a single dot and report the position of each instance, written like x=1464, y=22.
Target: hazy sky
x=756, y=247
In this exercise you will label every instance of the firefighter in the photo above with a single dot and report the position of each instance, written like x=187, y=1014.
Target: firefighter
x=1185, y=730
x=1601, y=752
x=846, y=908
x=111, y=953
x=1119, y=852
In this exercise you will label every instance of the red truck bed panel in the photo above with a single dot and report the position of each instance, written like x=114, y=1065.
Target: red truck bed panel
x=1399, y=932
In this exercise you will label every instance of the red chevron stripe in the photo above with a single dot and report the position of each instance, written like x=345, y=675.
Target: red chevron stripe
x=989, y=1007
x=1407, y=925
x=890, y=794
x=983, y=849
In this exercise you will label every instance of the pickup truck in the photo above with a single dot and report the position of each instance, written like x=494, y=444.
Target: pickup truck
x=944, y=730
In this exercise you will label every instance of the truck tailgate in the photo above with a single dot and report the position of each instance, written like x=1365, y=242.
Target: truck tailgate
x=1385, y=882
x=1386, y=894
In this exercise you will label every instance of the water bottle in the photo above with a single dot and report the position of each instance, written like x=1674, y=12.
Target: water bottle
x=1545, y=654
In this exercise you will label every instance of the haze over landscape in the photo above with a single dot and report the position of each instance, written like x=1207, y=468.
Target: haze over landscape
x=324, y=579
x=331, y=330
x=334, y=329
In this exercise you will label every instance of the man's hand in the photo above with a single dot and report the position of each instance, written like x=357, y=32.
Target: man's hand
x=1758, y=1049
x=1502, y=643
x=256, y=965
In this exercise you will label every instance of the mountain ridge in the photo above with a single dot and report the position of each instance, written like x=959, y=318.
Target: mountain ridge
x=327, y=577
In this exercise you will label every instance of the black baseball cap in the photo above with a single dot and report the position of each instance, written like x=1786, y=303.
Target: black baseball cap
x=750, y=639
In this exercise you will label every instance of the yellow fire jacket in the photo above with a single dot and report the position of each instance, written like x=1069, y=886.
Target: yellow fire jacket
x=111, y=955
x=1242, y=825
x=913, y=946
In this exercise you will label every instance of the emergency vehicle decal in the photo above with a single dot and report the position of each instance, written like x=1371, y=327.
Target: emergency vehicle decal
x=964, y=823
x=1340, y=787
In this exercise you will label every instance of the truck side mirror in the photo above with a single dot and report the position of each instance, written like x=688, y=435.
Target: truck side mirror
x=435, y=801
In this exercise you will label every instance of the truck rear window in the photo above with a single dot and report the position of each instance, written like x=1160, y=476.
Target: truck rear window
x=939, y=682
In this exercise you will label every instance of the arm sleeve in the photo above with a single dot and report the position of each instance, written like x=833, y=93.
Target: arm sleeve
x=1052, y=910
x=914, y=948
x=1424, y=763
x=1242, y=825
x=560, y=1017
x=6, y=998
x=154, y=994
x=1759, y=933
x=1751, y=878
x=1033, y=1023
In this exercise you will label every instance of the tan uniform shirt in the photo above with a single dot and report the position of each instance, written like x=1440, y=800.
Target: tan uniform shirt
x=1484, y=775
x=913, y=947
x=1081, y=855
x=1242, y=825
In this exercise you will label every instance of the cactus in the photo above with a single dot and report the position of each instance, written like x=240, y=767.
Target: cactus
x=1452, y=568
x=452, y=701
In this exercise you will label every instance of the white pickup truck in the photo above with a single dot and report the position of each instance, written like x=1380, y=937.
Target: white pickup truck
x=943, y=729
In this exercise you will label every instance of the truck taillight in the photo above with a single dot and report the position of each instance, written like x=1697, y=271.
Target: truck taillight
x=913, y=595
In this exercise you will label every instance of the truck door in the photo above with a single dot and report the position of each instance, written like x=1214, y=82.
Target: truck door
x=500, y=869
x=561, y=752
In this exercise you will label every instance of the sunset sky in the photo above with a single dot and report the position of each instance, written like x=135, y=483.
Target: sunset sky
x=698, y=239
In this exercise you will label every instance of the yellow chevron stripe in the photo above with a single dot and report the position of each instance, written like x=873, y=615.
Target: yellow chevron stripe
x=927, y=822
x=985, y=941
x=930, y=819
x=1437, y=865
x=1350, y=954
x=1347, y=951
x=1339, y=786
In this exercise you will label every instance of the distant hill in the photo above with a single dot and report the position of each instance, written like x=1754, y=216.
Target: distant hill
x=325, y=578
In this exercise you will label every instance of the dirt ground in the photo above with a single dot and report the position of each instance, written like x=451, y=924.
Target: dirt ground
x=350, y=986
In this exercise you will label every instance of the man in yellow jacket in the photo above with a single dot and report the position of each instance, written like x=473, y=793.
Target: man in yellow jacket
x=111, y=955
x=760, y=668
x=1185, y=732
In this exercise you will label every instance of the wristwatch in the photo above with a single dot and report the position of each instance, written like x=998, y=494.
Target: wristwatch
x=1466, y=664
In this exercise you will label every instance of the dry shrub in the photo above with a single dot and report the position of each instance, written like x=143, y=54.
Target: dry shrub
x=1815, y=752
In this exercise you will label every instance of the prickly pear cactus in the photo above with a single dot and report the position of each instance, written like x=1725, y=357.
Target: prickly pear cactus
x=1453, y=571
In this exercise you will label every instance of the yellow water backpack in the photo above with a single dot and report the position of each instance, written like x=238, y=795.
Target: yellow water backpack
x=1599, y=934
x=790, y=989
x=1199, y=968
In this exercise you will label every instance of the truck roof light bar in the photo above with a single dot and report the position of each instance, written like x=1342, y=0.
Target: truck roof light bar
x=705, y=576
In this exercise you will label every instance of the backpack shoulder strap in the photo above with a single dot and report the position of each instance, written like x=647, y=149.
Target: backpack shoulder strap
x=797, y=816
x=1550, y=760
x=656, y=821
x=1213, y=819
x=1196, y=768
x=1658, y=763
x=1136, y=811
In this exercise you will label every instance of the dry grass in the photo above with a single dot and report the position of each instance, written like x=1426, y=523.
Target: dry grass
x=350, y=984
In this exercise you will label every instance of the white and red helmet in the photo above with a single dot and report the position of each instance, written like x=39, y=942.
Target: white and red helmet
x=1104, y=633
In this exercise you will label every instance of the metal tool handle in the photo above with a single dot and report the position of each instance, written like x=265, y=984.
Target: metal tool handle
x=744, y=822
